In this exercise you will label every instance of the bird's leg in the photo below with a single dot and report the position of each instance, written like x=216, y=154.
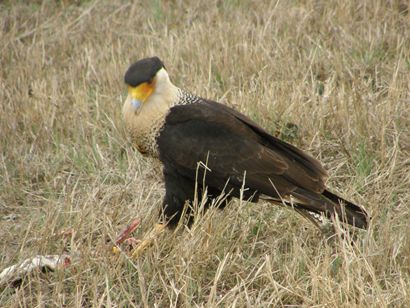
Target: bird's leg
x=149, y=239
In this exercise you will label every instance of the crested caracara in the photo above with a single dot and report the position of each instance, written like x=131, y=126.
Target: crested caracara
x=199, y=140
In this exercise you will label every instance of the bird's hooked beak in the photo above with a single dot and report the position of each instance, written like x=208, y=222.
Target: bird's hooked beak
x=140, y=93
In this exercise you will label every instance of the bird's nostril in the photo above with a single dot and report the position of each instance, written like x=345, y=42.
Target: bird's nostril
x=136, y=103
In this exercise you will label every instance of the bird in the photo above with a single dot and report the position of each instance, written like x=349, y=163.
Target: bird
x=198, y=140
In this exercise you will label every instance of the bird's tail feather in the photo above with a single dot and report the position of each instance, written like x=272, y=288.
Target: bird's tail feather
x=360, y=218
x=329, y=205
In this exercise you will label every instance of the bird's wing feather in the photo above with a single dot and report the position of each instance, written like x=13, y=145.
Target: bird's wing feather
x=230, y=144
x=310, y=164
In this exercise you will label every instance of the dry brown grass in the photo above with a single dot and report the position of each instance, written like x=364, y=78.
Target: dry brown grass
x=340, y=70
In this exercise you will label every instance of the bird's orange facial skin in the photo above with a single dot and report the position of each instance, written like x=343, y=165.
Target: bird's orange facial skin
x=142, y=91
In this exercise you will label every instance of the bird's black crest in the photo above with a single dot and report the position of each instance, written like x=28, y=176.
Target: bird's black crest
x=142, y=71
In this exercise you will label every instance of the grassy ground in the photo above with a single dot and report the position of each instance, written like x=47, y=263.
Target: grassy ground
x=339, y=70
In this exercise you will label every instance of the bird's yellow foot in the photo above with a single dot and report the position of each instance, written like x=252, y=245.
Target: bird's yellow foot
x=137, y=251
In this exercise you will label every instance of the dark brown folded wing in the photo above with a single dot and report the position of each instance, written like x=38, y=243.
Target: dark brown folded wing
x=230, y=144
